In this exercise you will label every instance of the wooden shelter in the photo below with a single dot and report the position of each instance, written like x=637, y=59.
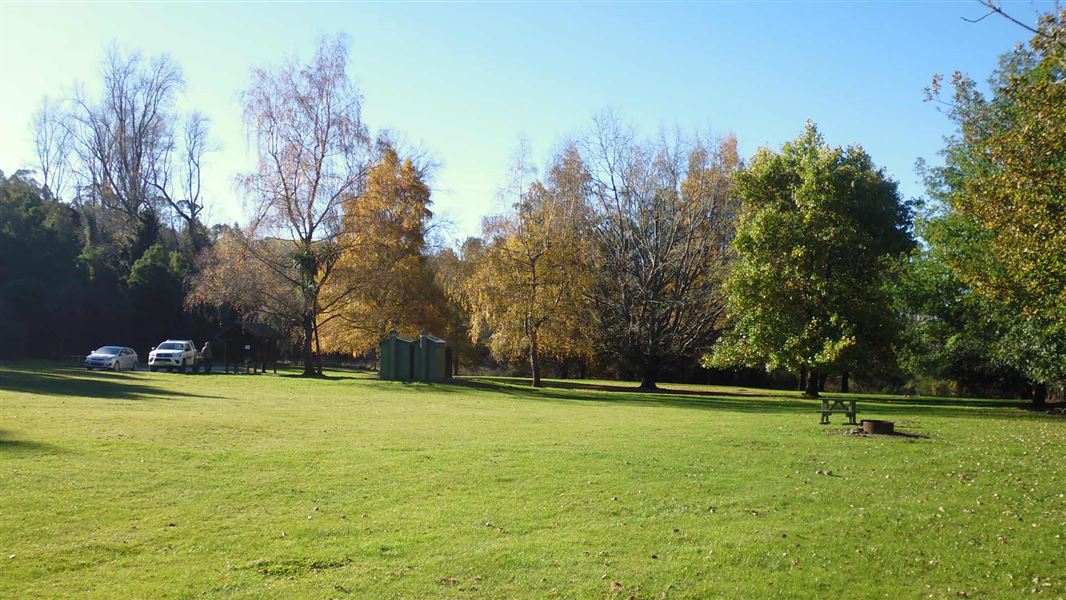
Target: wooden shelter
x=249, y=347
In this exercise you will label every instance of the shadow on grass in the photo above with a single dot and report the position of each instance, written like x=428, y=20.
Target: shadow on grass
x=937, y=401
x=296, y=369
x=857, y=432
x=316, y=377
x=14, y=447
x=633, y=388
x=329, y=373
x=747, y=401
x=77, y=383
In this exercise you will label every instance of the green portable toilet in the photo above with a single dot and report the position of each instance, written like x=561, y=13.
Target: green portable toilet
x=431, y=359
x=397, y=358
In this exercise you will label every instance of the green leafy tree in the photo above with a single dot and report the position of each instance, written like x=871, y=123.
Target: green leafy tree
x=1003, y=184
x=156, y=292
x=950, y=333
x=40, y=275
x=819, y=232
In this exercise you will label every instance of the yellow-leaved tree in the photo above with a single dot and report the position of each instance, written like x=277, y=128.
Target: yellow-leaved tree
x=453, y=269
x=528, y=285
x=382, y=280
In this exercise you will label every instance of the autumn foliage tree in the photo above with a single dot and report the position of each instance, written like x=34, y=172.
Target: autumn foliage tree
x=231, y=273
x=528, y=286
x=382, y=281
x=452, y=270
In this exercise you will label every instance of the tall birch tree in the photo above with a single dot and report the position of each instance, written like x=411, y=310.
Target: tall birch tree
x=313, y=154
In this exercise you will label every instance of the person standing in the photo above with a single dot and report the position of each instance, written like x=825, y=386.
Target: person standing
x=206, y=357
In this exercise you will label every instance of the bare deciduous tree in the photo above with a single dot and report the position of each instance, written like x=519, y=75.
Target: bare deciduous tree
x=122, y=148
x=178, y=178
x=314, y=153
x=664, y=218
x=122, y=138
x=995, y=7
x=52, y=142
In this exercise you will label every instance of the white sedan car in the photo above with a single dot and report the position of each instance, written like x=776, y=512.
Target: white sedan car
x=115, y=358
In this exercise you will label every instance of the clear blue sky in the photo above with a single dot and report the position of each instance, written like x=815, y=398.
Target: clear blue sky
x=468, y=80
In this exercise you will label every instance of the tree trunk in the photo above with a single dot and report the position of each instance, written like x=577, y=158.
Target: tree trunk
x=803, y=379
x=534, y=360
x=811, y=388
x=1039, y=395
x=318, y=349
x=309, y=355
x=844, y=382
x=648, y=376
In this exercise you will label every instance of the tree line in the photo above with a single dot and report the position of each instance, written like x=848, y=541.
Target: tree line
x=625, y=255
x=99, y=242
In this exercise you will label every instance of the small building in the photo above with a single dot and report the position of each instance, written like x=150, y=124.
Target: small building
x=396, y=360
x=247, y=346
x=425, y=359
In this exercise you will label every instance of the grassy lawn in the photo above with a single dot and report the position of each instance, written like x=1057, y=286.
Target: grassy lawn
x=157, y=485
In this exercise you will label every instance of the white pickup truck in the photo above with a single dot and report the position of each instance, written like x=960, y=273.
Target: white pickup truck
x=174, y=354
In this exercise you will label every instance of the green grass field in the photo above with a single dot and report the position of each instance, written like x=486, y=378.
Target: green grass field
x=155, y=485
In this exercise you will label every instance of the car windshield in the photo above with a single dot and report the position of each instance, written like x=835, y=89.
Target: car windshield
x=171, y=346
x=112, y=350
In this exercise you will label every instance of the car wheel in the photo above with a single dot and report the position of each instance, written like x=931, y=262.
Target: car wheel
x=116, y=366
x=135, y=365
x=183, y=370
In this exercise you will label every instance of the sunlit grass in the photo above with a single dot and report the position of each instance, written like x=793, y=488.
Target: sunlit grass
x=162, y=485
